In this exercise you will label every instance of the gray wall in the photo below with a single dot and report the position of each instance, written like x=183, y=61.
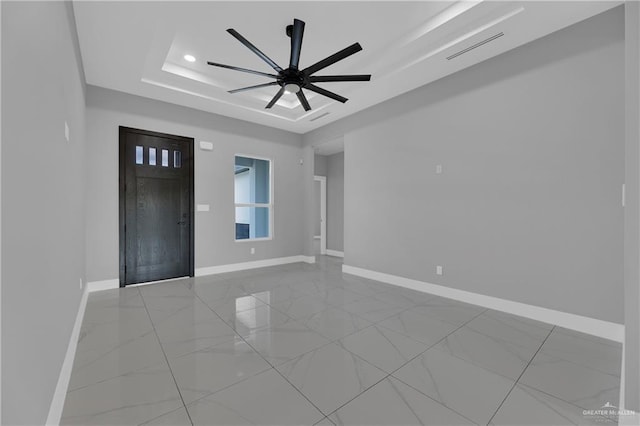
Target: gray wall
x=42, y=202
x=214, y=174
x=528, y=206
x=632, y=209
x=335, y=202
x=320, y=165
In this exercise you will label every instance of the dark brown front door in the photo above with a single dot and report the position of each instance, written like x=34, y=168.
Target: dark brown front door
x=156, y=206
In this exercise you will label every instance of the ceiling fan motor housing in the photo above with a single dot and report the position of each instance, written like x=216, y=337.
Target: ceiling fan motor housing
x=291, y=76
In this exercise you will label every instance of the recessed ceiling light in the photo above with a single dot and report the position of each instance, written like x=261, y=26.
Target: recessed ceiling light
x=189, y=58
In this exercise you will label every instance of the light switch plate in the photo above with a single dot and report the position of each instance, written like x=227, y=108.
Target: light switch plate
x=206, y=146
x=203, y=207
x=439, y=169
x=66, y=131
x=439, y=270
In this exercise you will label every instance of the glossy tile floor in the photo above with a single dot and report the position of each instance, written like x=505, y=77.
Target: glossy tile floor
x=304, y=344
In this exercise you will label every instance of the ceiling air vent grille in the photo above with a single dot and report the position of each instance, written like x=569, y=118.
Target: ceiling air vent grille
x=478, y=44
x=319, y=116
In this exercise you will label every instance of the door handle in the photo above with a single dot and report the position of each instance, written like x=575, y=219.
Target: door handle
x=182, y=222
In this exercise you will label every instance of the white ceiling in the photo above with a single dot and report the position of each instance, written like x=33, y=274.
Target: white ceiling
x=138, y=47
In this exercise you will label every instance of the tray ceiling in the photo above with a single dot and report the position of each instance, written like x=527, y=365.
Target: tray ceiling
x=139, y=48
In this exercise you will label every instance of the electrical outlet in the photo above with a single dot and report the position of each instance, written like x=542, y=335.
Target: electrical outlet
x=439, y=270
x=80, y=283
x=253, y=250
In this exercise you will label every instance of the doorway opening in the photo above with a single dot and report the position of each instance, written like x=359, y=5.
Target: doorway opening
x=320, y=214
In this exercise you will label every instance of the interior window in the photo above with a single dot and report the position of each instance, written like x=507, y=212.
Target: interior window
x=253, y=198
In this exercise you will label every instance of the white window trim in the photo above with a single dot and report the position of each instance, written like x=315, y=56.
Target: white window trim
x=270, y=205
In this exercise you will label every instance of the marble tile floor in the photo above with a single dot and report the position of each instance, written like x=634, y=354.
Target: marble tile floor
x=304, y=344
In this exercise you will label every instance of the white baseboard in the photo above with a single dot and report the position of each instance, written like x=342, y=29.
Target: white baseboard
x=220, y=269
x=335, y=253
x=622, y=380
x=57, y=402
x=115, y=283
x=595, y=327
x=103, y=285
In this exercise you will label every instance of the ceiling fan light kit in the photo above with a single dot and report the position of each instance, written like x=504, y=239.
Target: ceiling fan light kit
x=292, y=79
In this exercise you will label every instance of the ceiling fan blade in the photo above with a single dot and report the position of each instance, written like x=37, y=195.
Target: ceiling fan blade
x=257, y=86
x=242, y=69
x=275, y=98
x=321, y=78
x=338, y=56
x=254, y=49
x=326, y=93
x=296, y=43
x=303, y=100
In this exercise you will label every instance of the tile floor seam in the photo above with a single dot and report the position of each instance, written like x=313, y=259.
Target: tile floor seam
x=541, y=351
x=193, y=402
x=315, y=349
x=273, y=367
x=391, y=374
x=520, y=376
x=161, y=415
x=477, y=364
x=382, y=319
x=430, y=397
x=166, y=359
x=553, y=396
x=434, y=344
x=137, y=370
x=115, y=348
x=301, y=322
x=580, y=364
x=558, y=398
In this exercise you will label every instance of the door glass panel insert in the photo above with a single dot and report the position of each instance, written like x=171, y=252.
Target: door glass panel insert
x=152, y=156
x=165, y=158
x=139, y=155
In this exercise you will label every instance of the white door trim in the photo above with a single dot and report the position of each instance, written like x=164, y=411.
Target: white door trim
x=323, y=212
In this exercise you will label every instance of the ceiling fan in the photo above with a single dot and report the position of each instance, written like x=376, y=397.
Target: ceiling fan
x=292, y=79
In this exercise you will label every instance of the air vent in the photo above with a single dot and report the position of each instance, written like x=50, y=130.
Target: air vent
x=319, y=116
x=478, y=44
